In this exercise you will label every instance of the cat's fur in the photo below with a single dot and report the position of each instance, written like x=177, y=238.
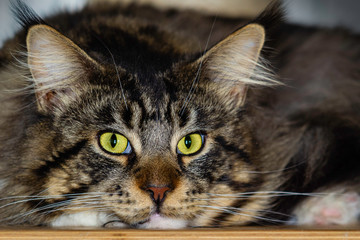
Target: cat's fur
x=144, y=73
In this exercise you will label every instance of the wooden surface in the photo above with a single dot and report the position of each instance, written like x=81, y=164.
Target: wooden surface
x=249, y=234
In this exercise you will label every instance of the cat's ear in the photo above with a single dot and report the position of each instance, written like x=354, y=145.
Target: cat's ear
x=58, y=67
x=230, y=65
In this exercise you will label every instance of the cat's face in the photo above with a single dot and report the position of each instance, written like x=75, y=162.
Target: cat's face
x=172, y=149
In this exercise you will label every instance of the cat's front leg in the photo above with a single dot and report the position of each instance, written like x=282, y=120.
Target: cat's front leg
x=336, y=206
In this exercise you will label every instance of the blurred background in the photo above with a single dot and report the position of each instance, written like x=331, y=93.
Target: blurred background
x=327, y=13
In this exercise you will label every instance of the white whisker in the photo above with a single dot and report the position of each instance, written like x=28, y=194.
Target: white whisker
x=231, y=211
x=267, y=194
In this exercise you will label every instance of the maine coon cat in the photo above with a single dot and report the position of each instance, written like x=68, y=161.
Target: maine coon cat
x=128, y=116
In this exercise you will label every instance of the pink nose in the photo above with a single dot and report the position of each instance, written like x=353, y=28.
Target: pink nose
x=158, y=193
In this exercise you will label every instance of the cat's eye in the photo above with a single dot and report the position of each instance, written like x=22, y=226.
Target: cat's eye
x=190, y=144
x=114, y=143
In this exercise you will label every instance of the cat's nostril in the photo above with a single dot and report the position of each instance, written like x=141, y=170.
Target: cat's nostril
x=158, y=193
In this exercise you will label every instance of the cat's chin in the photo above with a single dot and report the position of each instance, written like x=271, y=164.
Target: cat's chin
x=156, y=221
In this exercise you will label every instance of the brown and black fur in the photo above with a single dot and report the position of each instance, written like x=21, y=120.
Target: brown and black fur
x=298, y=137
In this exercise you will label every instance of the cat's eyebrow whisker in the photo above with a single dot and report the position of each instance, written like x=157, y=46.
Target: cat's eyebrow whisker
x=197, y=76
x=116, y=69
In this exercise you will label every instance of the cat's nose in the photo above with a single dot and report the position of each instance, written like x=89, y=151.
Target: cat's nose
x=158, y=193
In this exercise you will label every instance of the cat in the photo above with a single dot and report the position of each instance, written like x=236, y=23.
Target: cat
x=129, y=116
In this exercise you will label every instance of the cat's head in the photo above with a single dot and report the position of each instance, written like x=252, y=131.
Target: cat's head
x=171, y=149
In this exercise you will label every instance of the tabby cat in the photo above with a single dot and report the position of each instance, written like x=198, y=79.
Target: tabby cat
x=129, y=116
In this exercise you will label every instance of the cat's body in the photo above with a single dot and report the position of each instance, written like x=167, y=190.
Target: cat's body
x=262, y=147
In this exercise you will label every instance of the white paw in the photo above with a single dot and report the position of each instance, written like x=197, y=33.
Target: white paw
x=85, y=219
x=335, y=208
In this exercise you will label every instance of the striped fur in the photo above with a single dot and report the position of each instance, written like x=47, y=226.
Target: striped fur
x=118, y=69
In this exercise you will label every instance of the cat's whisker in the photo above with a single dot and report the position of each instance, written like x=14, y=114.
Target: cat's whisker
x=23, y=201
x=73, y=197
x=267, y=193
x=29, y=212
x=56, y=196
x=258, y=211
x=84, y=203
x=213, y=128
x=231, y=211
x=92, y=206
x=116, y=69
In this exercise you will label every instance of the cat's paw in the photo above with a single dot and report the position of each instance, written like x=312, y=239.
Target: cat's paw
x=87, y=219
x=335, y=208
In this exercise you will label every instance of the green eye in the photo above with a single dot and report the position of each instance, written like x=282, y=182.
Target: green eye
x=114, y=143
x=190, y=144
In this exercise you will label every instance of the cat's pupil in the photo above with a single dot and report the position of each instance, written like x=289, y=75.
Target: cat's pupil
x=113, y=140
x=188, y=141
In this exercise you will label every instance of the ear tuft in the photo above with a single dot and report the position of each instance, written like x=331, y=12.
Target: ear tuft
x=24, y=14
x=236, y=57
x=233, y=64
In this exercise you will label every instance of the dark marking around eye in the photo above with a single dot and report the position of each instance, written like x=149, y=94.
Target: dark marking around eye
x=131, y=160
x=178, y=172
x=181, y=163
x=167, y=114
x=184, y=117
x=127, y=115
x=144, y=115
x=105, y=115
